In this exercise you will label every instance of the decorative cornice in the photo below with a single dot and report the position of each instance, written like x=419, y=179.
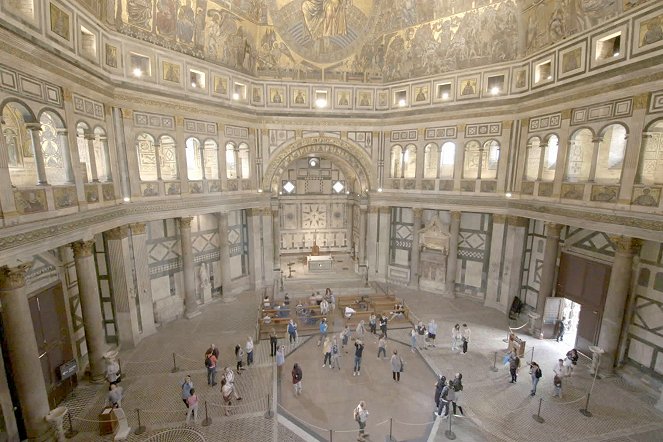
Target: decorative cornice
x=117, y=233
x=12, y=278
x=137, y=228
x=82, y=248
x=517, y=221
x=185, y=222
x=455, y=215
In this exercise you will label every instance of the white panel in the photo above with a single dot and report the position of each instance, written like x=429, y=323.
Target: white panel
x=473, y=273
x=640, y=353
x=160, y=288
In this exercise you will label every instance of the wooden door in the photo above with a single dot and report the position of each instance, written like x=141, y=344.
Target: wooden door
x=586, y=282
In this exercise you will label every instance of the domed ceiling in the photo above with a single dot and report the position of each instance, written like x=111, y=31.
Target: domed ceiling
x=354, y=40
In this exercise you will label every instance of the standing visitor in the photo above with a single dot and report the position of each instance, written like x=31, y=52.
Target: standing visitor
x=361, y=416
x=439, y=386
x=396, y=366
x=421, y=335
x=327, y=351
x=465, y=337
x=239, y=358
x=335, y=355
x=443, y=403
x=226, y=392
x=280, y=360
x=455, y=337
x=558, y=369
x=113, y=371
x=432, y=332
x=557, y=384
x=560, y=329
x=273, y=341
x=192, y=403
x=249, y=351
x=345, y=336
x=360, y=330
x=114, y=399
x=382, y=347
x=413, y=339
x=383, y=325
x=359, y=350
x=457, y=385
x=570, y=361
x=297, y=379
x=514, y=365
x=229, y=377
x=535, y=372
x=373, y=323
x=187, y=386
x=210, y=364
x=323, y=331
x=292, y=331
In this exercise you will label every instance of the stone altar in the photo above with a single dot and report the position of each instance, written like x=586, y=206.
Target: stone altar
x=320, y=263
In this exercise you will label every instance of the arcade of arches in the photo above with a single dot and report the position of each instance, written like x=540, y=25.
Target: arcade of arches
x=160, y=156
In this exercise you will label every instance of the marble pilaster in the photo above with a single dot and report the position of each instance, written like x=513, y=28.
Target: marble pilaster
x=548, y=269
x=361, y=247
x=35, y=140
x=372, y=241
x=7, y=203
x=414, y=253
x=143, y=282
x=224, y=252
x=452, y=258
x=21, y=343
x=512, y=268
x=615, y=300
x=276, y=237
x=383, y=228
x=127, y=188
x=496, y=261
x=93, y=322
x=190, y=301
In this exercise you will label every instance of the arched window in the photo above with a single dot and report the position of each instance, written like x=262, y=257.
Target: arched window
x=54, y=149
x=397, y=161
x=472, y=160
x=167, y=158
x=82, y=133
x=101, y=154
x=243, y=158
x=194, y=159
x=490, y=159
x=650, y=169
x=431, y=160
x=231, y=161
x=410, y=161
x=147, y=157
x=211, y=159
x=550, y=158
x=533, y=161
x=447, y=160
x=611, y=154
x=579, y=159
x=18, y=142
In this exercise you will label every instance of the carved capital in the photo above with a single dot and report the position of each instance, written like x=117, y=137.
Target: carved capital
x=137, y=228
x=461, y=127
x=33, y=126
x=185, y=223
x=553, y=229
x=374, y=209
x=625, y=244
x=641, y=101
x=418, y=212
x=385, y=210
x=179, y=121
x=517, y=221
x=500, y=219
x=566, y=114
x=82, y=249
x=455, y=216
x=117, y=233
x=127, y=113
x=13, y=277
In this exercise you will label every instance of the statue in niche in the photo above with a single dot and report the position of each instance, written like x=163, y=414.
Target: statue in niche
x=203, y=276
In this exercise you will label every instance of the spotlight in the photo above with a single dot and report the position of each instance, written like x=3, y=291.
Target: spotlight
x=347, y=192
x=321, y=103
x=379, y=189
x=137, y=72
x=259, y=190
x=445, y=96
x=127, y=199
x=549, y=77
x=402, y=102
x=495, y=90
x=508, y=195
x=235, y=96
x=616, y=54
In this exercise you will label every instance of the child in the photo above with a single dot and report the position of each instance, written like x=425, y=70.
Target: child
x=557, y=383
x=192, y=402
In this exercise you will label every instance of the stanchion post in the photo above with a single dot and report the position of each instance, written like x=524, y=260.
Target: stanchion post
x=141, y=428
x=71, y=432
x=449, y=433
x=208, y=420
x=585, y=411
x=269, y=413
x=391, y=424
x=331, y=435
x=537, y=417
x=494, y=367
x=175, y=369
x=119, y=366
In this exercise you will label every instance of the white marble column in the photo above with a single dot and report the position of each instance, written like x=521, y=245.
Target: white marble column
x=495, y=261
x=190, y=301
x=384, y=230
x=372, y=240
x=93, y=322
x=512, y=268
x=361, y=247
x=276, y=236
x=414, y=251
x=19, y=336
x=63, y=141
x=35, y=140
x=548, y=270
x=615, y=301
x=144, y=284
x=260, y=246
x=452, y=259
x=124, y=293
x=224, y=252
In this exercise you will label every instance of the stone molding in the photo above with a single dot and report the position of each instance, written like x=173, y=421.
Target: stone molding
x=118, y=233
x=137, y=228
x=455, y=215
x=185, y=222
x=82, y=248
x=499, y=218
x=12, y=278
x=553, y=229
x=517, y=221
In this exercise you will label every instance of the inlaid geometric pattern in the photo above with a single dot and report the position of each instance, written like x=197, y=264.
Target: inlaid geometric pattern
x=597, y=242
x=649, y=315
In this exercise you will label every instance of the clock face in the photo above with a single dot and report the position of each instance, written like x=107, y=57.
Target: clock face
x=314, y=215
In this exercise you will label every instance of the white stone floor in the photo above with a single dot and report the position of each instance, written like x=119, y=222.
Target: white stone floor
x=496, y=410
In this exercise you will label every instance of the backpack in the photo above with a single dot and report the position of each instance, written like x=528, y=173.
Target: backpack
x=208, y=362
x=538, y=373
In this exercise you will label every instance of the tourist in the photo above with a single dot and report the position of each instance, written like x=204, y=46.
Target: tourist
x=239, y=358
x=514, y=365
x=558, y=369
x=421, y=335
x=557, y=385
x=210, y=364
x=267, y=319
x=292, y=331
x=323, y=331
x=439, y=386
x=413, y=339
x=348, y=312
x=373, y=323
x=457, y=385
x=570, y=361
x=187, y=386
x=335, y=355
x=361, y=416
x=113, y=375
x=560, y=329
x=455, y=337
x=114, y=398
x=280, y=361
x=266, y=303
x=359, y=350
x=249, y=351
x=360, y=330
x=345, y=336
x=432, y=332
x=229, y=377
x=192, y=403
x=382, y=347
x=297, y=379
x=383, y=325
x=535, y=372
x=213, y=350
x=396, y=366
x=332, y=301
x=443, y=402
x=465, y=336
x=324, y=307
x=327, y=351
x=399, y=312
x=226, y=392
x=273, y=341
x=286, y=300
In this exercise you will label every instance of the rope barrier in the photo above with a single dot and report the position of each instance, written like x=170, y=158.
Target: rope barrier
x=144, y=362
x=244, y=404
x=407, y=423
x=518, y=328
x=304, y=422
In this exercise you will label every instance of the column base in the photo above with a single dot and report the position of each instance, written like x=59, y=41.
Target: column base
x=193, y=314
x=48, y=436
x=98, y=379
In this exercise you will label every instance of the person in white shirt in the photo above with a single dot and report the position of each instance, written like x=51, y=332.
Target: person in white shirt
x=455, y=337
x=249, y=351
x=559, y=369
x=432, y=332
x=465, y=337
x=349, y=312
x=361, y=416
